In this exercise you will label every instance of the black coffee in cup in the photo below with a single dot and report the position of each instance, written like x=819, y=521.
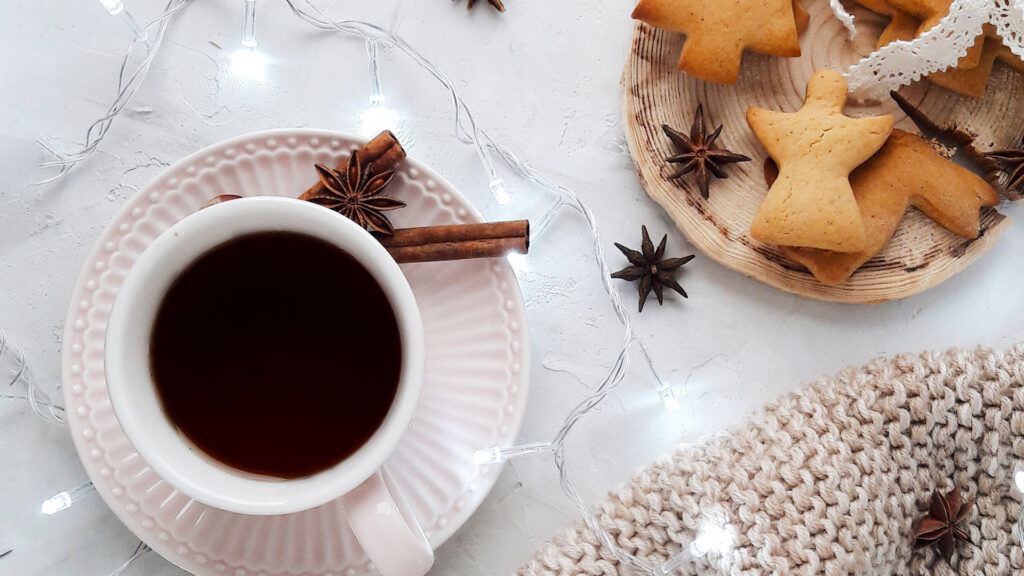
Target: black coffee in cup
x=276, y=353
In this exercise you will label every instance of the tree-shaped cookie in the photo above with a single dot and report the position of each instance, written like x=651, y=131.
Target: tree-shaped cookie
x=717, y=32
x=907, y=171
x=811, y=204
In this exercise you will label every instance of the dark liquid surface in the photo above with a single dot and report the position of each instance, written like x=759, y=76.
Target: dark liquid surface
x=276, y=353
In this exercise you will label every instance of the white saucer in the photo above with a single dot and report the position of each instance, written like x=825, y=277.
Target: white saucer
x=473, y=397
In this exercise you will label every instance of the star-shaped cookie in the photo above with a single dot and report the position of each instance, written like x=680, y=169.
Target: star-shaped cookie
x=811, y=204
x=907, y=171
x=718, y=32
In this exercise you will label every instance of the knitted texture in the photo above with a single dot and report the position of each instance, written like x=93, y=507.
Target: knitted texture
x=832, y=479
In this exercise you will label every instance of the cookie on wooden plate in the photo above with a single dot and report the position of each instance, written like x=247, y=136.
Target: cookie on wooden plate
x=811, y=204
x=719, y=31
x=906, y=172
x=970, y=76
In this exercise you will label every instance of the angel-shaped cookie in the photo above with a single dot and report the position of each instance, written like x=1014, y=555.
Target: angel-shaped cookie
x=811, y=204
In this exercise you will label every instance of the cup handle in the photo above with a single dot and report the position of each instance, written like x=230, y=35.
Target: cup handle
x=386, y=529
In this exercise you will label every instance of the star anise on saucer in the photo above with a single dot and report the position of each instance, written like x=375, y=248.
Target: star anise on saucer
x=496, y=3
x=698, y=153
x=356, y=194
x=941, y=526
x=1011, y=161
x=650, y=267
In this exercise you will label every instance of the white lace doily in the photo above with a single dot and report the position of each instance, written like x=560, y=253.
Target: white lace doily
x=901, y=63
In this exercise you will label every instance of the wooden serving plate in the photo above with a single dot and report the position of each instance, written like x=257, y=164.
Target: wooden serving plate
x=920, y=255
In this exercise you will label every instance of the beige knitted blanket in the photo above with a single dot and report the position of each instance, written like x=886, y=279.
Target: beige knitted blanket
x=832, y=478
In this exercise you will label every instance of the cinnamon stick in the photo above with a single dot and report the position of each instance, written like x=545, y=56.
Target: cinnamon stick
x=380, y=154
x=458, y=242
x=431, y=243
x=453, y=242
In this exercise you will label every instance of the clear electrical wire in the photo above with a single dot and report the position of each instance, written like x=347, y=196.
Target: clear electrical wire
x=14, y=374
x=128, y=82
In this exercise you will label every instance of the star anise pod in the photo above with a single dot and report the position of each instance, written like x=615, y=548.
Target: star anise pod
x=698, y=153
x=355, y=193
x=496, y=3
x=649, y=267
x=941, y=526
x=1012, y=162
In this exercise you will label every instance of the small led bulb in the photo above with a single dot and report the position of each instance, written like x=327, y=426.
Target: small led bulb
x=496, y=455
x=249, y=25
x=63, y=500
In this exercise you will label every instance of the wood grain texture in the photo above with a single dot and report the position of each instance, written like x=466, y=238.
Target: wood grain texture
x=921, y=254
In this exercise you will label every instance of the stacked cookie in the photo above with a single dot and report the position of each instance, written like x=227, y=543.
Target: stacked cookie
x=843, y=184
x=911, y=18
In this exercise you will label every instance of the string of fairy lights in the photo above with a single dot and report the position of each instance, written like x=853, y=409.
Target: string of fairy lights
x=714, y=536
x=248, y=61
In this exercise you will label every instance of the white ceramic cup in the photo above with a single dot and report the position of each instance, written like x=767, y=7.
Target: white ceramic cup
x=377, y=515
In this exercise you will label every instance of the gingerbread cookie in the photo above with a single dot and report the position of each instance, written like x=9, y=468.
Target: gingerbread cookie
x=900, y=25
x=718, y=32
x=802, y=17
x=973, y=81
x=930, y=13
x=907, y=25
x=970, y=76
x=969, y=81
x=811, y=204
x=1006, y=56
x=906, y=172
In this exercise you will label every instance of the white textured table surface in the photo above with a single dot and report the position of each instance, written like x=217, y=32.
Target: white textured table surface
x=542, y=79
